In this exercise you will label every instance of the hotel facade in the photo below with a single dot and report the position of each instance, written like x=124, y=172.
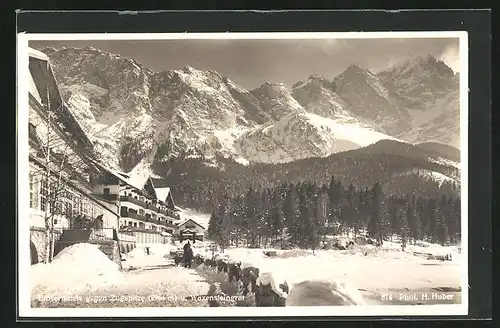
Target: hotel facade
x=69, y=187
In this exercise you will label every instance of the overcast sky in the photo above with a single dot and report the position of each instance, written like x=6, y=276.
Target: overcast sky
x=252, y=62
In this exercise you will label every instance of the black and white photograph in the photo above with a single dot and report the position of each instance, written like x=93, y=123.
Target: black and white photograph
x=257, y=173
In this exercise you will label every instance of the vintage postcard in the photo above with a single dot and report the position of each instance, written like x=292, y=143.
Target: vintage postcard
x=242, y=174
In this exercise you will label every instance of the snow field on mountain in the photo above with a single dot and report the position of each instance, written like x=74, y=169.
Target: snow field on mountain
x=353, y=132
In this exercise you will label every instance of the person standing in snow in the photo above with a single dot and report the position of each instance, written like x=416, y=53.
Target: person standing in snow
x=186, y=245
x=188, y=255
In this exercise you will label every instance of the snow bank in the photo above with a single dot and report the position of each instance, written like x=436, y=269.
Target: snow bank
x=386, y=267
x=75, y=268
x=266, y=278
x=323, y=293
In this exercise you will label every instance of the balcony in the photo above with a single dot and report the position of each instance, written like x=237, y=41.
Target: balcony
x=108, y=197
x=152, y=207
x=133, y=201
x=144, y=218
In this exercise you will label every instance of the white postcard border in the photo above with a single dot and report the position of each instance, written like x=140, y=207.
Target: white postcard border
x=24, y=304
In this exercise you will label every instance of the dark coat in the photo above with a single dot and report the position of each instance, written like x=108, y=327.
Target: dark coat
x=188, y=254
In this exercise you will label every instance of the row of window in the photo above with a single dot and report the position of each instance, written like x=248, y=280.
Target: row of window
x=64, y=200
x=124, y=210
x=153, y=214
x=144, y=200
x=140, y=225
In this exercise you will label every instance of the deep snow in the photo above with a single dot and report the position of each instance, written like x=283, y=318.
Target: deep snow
x=387, y=267
x=359, y=275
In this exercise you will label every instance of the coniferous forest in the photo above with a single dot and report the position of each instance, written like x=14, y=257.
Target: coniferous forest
x=301, y=214
x=399, y=167
x=381, y=191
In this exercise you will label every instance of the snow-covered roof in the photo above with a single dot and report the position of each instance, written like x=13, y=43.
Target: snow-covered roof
x=37, y=54
x=42, y=78
x=162, y=193
x=182, y=222
x=139, y=175
x=117, y=174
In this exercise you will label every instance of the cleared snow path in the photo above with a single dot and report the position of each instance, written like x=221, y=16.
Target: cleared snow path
x=147, y=281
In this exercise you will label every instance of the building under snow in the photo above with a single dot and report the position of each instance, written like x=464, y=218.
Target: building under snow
x=145, y=210
x=190, y=229
x=80, y=194
x=60, y=172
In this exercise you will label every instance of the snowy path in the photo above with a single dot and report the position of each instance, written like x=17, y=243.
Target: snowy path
x=151, y=286
x=147, y=281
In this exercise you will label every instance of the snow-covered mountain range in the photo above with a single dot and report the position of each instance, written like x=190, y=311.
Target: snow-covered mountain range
x=132, y=113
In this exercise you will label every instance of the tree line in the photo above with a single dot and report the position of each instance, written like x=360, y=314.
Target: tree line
x=301, y=214
x=199, y=185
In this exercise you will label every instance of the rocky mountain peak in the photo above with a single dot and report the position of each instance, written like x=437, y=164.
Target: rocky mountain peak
x=354, y=69
x=318, y=96
x=189, y=70
x=130, y=110
x=420, y=64
x=275, y=99
x=321, y=81
x=421, y=81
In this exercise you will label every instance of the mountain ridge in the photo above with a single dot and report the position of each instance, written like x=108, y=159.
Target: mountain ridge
x=201, y=113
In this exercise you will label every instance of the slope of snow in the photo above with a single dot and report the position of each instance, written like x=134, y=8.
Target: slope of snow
x=349, y=129
x=298, y=136
x=139, y=129
x=293, y=137
x=430, y=175
x=139, y=174
x=80, y=106
x=444, y=161
x=80, y=267
x=221, y=142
